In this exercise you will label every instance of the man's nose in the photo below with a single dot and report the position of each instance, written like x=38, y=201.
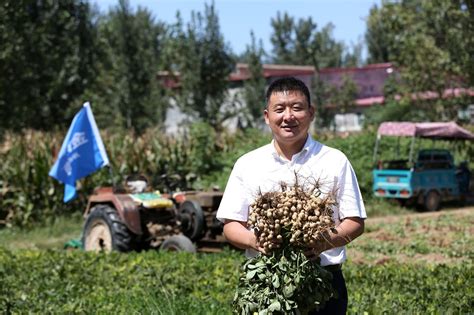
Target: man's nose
x=288, y=114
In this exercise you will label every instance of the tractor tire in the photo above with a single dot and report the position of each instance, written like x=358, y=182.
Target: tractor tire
x=105, y=231
x=193, y=222
x=432, y=201
x=178, y=243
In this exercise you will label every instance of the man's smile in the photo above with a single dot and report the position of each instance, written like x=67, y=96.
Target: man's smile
x=289, y=127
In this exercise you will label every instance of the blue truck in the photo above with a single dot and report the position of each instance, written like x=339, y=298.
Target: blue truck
x=430, y=178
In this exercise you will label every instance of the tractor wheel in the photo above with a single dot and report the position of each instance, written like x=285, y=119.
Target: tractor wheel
x=178, y=243
x=432, y=201
x=192, y=220
x=105, y=231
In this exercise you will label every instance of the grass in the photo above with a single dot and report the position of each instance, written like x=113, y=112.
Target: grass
x=44, y=236
x=55, y=234
x=378, y=207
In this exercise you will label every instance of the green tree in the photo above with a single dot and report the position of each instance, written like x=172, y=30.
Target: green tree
x=353, y=58
x=282, y=39
x=321, y=92
x=342, y=98
x=128, y=93
x=254, y=87
x=432, y=44
x=345, y=95
x=302, y=43
x=204, y=63
x=329, y=52
x=305, y=49
x=47, y=59
x=376, y=38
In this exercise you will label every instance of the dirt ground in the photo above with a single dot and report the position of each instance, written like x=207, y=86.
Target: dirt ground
x=458, y=212
x=442, y=237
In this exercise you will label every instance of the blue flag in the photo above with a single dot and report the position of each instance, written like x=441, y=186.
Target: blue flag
x=82, y=152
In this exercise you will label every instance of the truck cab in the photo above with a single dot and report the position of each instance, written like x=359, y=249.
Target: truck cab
x=430, y=179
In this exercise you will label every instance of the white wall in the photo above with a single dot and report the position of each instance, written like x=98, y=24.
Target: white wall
x=348, y=122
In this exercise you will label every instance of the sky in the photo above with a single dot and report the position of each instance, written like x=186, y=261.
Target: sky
x=238, y=17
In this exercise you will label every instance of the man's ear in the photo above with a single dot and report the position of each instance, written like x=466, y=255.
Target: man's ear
x=265, y=115
x=311, y=111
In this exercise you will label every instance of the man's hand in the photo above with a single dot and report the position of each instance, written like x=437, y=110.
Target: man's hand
x=313, y=252
x=237, y=234
x=254, y=244
x=349, y=229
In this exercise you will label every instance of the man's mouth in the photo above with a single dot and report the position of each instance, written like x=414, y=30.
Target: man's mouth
x=288, y=128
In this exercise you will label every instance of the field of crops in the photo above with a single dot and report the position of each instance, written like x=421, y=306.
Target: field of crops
x=28, y=195
x=402, y=264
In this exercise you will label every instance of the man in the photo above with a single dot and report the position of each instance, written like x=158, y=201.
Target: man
x=289, y=115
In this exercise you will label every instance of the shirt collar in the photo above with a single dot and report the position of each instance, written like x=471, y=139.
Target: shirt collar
x=306, y=148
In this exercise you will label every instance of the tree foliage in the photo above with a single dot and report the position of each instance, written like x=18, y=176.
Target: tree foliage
x=127, y=93
x=204, y=63
x=254, y=88
x=340, y=99
x=432, y=44
x=47, y=58
x=343, y=96
x=301, y=43
x=57, y=54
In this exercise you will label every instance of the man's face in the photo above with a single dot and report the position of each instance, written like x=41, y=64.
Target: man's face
x=289, y=116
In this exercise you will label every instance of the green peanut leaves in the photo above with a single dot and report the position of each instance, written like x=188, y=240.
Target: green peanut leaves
x=283, y=282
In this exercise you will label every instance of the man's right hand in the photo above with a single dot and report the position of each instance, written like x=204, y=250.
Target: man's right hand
x=237, y=234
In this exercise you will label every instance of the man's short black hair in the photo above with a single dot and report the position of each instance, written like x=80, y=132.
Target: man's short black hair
x=288, y=84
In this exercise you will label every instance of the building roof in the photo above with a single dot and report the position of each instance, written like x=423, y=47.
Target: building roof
x=277, y=70
x=370, y=67
x=270, y=70
x=429, y=95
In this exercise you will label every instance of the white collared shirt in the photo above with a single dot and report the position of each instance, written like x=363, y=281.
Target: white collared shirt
x=264, y=170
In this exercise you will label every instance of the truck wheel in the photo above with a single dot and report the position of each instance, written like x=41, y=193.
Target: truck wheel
x=192, y=220
x=432, y=201
x=105, y=231
x=178, y=243
x=402, y=202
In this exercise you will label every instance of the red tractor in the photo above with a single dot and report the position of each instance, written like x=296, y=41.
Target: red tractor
x=136, y=218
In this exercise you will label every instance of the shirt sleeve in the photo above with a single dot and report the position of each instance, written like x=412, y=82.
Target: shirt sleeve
x=349, y=196
x=235, y=202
